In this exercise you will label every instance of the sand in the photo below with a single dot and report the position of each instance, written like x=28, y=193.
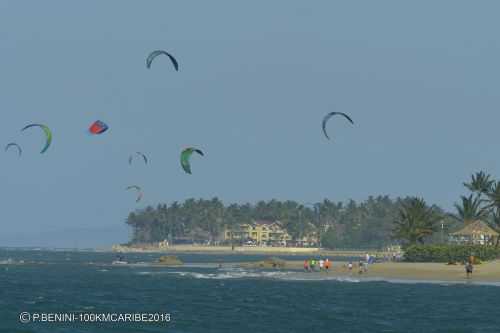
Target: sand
x=213, y=249
x=487, y=272
x=245, y=250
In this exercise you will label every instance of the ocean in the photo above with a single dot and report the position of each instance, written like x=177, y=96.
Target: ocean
x=63, y=291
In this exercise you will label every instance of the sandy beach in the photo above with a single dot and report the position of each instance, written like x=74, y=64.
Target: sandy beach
x=245, y=250
x=212, y=249
x=390, y=271
x=487, y=272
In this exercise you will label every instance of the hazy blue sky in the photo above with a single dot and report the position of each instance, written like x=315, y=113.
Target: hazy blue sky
x=421, y=80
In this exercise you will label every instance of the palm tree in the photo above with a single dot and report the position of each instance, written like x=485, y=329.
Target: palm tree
x=416, y=221
x=470, y=209
x=495, y=217
x=481, y=183
x=494, y=205
x=494, y=196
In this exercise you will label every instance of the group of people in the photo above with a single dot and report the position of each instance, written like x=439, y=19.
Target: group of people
x=324, y=265
x=313, y=265
x=362, y=266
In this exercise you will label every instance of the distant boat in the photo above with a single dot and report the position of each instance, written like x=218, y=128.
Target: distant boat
x=119, y=262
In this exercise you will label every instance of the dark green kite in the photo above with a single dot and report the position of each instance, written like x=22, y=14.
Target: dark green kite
x=186, y=157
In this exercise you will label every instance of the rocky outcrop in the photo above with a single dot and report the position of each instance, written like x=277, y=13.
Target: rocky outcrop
x=170, y=261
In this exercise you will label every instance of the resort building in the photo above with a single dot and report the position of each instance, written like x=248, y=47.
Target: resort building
x=260, y=232
x=476, y=232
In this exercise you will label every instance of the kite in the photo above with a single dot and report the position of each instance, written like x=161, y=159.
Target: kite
x=13, y=144
x=156, y=53
x=131, y=157
x=331, y=114
x=48, y=135
x=139, y=191
x=186, y=157
x=98, y=127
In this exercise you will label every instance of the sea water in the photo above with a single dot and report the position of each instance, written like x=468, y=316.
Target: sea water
x=201, y=297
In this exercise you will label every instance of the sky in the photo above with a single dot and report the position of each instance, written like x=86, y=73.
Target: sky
x=420, y=80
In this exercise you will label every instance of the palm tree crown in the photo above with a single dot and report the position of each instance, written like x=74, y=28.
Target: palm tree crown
x=416, y=221
x=470, y=209
x=480, y=183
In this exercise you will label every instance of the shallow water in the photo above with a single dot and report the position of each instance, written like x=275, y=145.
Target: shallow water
x=203, y=298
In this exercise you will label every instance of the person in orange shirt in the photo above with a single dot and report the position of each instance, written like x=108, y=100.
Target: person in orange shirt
x=327, y=265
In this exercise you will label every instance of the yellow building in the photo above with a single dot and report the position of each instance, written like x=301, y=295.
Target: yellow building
x=259, y=232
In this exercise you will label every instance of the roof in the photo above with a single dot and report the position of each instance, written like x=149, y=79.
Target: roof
x=476, y=228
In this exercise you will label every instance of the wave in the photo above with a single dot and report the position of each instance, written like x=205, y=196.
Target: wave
x=11, y=261
x=239, y=273
x=232, y=275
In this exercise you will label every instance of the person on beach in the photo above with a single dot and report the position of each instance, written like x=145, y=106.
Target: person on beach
x=360, y=267
x=468, y=269
x=349, y=267
x=321, y=265
x=306, y=265
x=312, y=264
x=327, y=265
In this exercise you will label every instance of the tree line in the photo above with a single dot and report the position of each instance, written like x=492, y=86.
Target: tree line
x=417, y=223
x=373, y=223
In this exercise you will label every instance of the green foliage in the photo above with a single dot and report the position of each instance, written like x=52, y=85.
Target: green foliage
x=329, y=240
x=366, y=224
x=470, y=209
x=481, y=183
x=373, y=223
x=487, y=200
x=494, y=196
x=416, y=221
x=449, y=253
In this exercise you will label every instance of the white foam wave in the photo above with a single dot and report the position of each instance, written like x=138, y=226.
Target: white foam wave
x=11, y=261
x=231, y=274
x=152, y=273
x=239, y=273
x=242, y=274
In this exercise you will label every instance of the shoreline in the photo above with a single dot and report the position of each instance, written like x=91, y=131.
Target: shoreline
x=417, y=272
x=436, y=273
x=200, y=249
x=485, y=272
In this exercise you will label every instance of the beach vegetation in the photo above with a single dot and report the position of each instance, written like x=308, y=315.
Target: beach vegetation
x=470, y=209
x=449, y=253
x=416, y=221
x=486, y=203
x=355, y=225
